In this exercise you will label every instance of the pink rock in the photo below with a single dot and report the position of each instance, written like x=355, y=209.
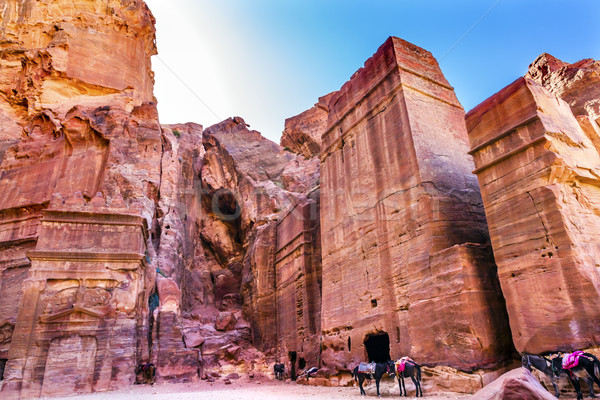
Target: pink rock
x=302, y=133
x=538, y=172
x=225, y=321
x=517, y=384
x=406, y=256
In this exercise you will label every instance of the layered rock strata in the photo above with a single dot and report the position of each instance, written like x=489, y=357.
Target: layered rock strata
x=538, y=173
x=407, y=267
x=59, y=54
x=71, y=125
x=578, y=84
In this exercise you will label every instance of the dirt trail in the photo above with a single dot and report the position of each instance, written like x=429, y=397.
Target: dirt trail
x=248, y=390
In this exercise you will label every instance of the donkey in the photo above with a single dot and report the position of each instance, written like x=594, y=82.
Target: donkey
x=279, y=369
x=145, y=373
x=587, y=367
x=405, y=368
x=542, y=364
x=378, y=369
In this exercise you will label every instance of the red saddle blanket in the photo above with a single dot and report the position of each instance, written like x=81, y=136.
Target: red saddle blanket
x=401, y=364
x=366, y=368
x=571, y=360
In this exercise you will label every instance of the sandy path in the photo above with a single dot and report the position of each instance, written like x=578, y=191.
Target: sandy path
x=250, y=390
x=240, y=390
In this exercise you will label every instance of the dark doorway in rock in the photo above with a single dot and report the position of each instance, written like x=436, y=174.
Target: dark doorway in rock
x=378, y=347
x=301, y=364
x=292, y=356
x=2, y=365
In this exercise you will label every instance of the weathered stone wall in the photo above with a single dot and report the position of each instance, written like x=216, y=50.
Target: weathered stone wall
x=404, y=232
x=578, y=84
x=231, y=258
x=75, y=83
x=58, y=54
x=82, y=307
x=248, y=183
x=538, y=173
x=298, y=287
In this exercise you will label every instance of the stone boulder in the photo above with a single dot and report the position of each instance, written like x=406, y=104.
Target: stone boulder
x=225, y=321
x=517, y=384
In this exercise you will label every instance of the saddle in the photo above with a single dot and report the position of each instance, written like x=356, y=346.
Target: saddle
x=401, y=364
x=571, y=360
x=366, y=368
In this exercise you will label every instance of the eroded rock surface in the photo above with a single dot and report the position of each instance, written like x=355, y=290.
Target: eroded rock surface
x=407, y=268
x=59, y=54
x=302, y=133
x=538, y=173
x=125, y=241
x=248, y=183
x=578, y=84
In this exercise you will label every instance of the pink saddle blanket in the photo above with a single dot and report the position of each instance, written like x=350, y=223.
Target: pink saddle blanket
x=366, y=368
x=571, y=360
x=401, y=364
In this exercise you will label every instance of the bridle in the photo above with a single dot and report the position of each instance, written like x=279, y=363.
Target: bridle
x=554, y=369
x=391, y=366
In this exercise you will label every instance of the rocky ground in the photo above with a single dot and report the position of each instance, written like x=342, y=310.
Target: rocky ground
x=244, y=389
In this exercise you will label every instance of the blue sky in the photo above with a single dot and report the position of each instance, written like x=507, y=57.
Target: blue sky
x=267, y=60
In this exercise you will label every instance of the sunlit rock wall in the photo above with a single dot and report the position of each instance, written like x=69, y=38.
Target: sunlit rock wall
x=405, y=243
x=538, y=173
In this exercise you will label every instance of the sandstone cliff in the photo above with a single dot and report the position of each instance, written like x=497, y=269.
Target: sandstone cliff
x=407, y=268
x=578, y=84
x=538, y=169
x=362, y=236
x=205, y=278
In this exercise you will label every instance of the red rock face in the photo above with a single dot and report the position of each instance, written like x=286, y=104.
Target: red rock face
x=302, y=133
x=404, y=234
x=538, y=175
x=578, y=84
x=248, y=183
x=56, y=140
x=58, y=55
x=298, y=286
x=210, y=247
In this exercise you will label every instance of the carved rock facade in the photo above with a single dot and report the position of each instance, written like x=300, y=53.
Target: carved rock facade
x=298, y=286
x=538, y=172
x=407, y=267
x=84, y=302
